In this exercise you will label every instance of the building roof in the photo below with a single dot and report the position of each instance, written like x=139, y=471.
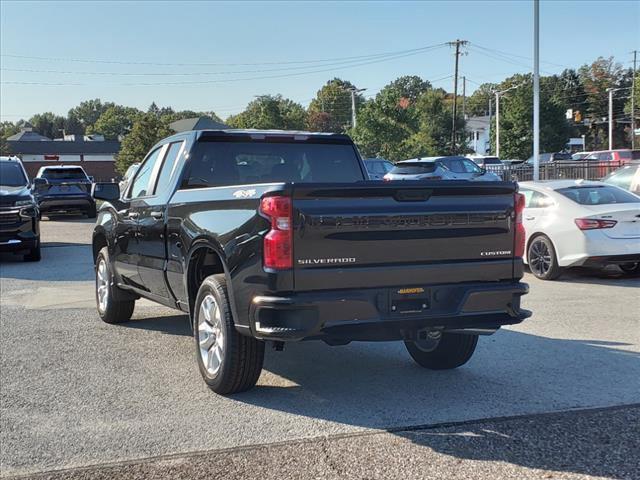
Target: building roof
x=27, y=135
x=51, y=147
x=197, y=123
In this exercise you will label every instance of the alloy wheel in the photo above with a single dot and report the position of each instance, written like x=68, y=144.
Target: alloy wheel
x=539, y=257
x=102, y=285
x=210, y=334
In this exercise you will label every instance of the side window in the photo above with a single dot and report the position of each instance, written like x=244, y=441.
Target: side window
x=167, y=166
x=470, y=166
x=454, y=165
x=140, y=185
x=539, y=200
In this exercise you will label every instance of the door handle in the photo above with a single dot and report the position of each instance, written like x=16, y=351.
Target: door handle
x=156, y=215
x=530, y=218
x=133, y=215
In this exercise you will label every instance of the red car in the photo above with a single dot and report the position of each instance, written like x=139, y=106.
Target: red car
x=610, y=158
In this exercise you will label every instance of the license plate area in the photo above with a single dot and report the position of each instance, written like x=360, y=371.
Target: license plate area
x=410, y=300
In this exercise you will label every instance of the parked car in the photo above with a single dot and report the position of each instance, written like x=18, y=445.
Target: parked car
x=128, y=175
x=64, y=189
x=486, y=161
x=580, y=156
x=617, y=157
x=440, y=168
x=19, y=215
x=277, y=236
x=572, y=223
x=627, y=177
x=377, y=168
x=545, y=158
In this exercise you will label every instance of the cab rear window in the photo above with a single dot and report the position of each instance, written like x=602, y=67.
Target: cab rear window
x=64, y=174
x=598, y=195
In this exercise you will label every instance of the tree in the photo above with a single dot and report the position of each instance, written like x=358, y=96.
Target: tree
x=115, y=121
x=387, y=124
x=516, y=120
x=333, y=100
x=6, y=130
x=47, y=124
x=270, y=112
x=87, y=113
x=478, y=103
x=146, y=131
x=627, y=108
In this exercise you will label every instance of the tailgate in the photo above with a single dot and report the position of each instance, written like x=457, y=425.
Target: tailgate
x=357, y=236
x=65, y=187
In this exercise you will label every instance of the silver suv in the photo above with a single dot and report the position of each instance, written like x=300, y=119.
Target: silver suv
x=440, y=168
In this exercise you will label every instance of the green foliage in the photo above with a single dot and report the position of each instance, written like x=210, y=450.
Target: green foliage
x=270, y=112
x=115, y=121
x=330, y=110
x=478, y=103
x=516, y=120
x=48, y=124
x=406, y=119
x=87, y=114
x=6, y=130
x=146, y=131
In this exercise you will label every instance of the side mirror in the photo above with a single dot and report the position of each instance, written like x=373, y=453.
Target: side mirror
x=105, y=191
x=40, y=182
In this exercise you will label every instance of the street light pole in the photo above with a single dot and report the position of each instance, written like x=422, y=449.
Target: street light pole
x=610, y=90
x=353, y=91
x=536, y=90
x=498, y=124
x=633, y=102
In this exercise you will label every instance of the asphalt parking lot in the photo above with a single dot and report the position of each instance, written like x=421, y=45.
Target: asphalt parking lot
x=76, y=392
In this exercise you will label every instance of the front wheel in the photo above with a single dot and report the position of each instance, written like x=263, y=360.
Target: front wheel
x=228, y=361
x=110, y=308
x=630, y=268
x=91, y=211
x=451, y=350
x=542, y=258
x=34, y=254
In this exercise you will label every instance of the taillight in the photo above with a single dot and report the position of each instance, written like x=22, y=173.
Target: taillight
x=520, y=232
x=277, y=249
x=594, y=223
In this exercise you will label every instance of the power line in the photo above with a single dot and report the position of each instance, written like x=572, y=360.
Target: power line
x=210, y=64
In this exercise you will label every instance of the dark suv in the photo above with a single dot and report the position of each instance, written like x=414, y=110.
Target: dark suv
x=64, y=188
x=19, y=215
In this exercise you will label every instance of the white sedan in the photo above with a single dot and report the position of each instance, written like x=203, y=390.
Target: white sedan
x=572, y=223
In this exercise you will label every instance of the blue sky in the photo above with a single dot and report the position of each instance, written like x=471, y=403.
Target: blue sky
x=263, y=35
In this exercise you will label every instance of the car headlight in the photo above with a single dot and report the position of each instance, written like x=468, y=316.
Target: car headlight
x=24, y=203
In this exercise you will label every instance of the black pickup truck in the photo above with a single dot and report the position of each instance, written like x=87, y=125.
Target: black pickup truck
x=278, y=236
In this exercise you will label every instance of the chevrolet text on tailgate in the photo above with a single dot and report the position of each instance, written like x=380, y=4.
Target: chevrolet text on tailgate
x=278, y=236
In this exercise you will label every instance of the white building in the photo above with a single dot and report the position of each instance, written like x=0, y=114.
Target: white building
x=478, y=134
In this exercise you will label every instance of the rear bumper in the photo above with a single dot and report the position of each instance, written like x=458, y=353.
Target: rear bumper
x=375, y=314
x=600, y=261
x=65, y=202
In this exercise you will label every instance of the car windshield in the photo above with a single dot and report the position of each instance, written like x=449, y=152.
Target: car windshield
x=64, y=174
x=215, y=163
x=413, y=168
x=598, y=195
x=11, y=175
x=492, y=161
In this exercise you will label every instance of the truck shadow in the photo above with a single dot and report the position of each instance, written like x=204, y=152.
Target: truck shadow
x=592, y=276
x=378, y=386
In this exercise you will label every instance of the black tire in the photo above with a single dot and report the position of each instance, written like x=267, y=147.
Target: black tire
x=34, y=254
x=630, y=268
x=453, y=351
x=114, y=310
x=241, y=357
x=92, y=212
x=542, y=258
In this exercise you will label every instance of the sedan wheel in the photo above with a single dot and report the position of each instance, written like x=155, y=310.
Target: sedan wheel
x=542, y=259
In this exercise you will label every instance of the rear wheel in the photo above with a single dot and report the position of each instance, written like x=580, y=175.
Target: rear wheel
x=451, y=350
x=228, y=361
x=110, y=308
x=542, y=258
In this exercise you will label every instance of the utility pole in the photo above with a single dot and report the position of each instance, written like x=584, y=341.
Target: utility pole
x=633, y=103
x=536, y=90
x=490, y=117
x=458, y=43
x=464, y=97
x=498, y=124
x=353, y=91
